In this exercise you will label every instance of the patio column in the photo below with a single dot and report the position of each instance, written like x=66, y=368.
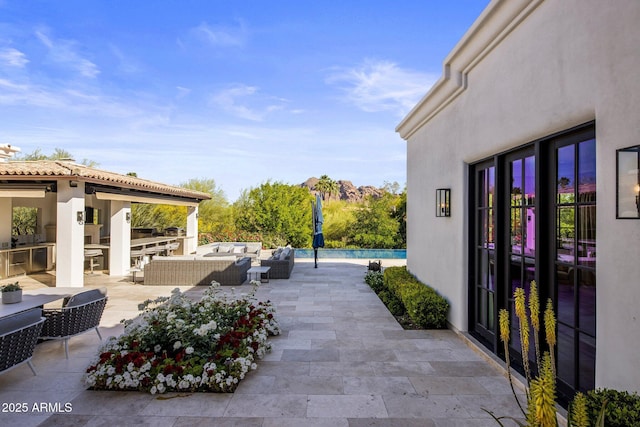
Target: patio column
x=70, y=234
x=191, y=242
x=6, y=220
x=120, y=240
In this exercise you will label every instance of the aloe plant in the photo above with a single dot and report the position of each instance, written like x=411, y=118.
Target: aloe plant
x=11, y=287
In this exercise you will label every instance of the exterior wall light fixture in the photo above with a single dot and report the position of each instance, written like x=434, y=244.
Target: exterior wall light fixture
x=80, y=217
x=127, y=217
x=443, y=202
x=628, y=183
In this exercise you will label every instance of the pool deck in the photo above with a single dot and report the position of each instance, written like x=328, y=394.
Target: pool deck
x=341, y=360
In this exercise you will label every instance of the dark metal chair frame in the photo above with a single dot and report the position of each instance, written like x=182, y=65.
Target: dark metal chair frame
x=66, y=322
x=18, y=338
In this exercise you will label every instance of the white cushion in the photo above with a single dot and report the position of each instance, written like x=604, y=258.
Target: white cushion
x=239, y=249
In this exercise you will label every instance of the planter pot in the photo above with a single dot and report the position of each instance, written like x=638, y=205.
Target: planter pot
x=12, y=297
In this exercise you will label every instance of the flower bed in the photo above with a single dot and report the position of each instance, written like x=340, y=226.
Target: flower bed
x=180, y=345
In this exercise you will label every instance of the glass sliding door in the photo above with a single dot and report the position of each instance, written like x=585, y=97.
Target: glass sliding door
x=533, y=217
x=522, y=236
x=485, y=254
x=575, y=263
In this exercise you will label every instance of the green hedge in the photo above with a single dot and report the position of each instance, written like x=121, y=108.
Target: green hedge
x=424, y=305
x=623, y=408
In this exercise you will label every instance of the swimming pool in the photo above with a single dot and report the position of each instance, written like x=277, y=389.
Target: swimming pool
x=354, y=253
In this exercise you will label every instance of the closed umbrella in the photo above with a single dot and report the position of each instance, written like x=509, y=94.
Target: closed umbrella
x=318, y=238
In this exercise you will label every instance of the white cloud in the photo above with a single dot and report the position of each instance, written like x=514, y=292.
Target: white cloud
x=182, y=92
x=229, y=100
x=221, y=36
x=64, y=53
x=125, y=64
x=382, y=86
x=13, y=57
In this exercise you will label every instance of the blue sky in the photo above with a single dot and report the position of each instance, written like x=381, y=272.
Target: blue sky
x=237, y=91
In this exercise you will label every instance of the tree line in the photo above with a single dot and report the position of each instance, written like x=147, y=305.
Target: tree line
x=278, y=214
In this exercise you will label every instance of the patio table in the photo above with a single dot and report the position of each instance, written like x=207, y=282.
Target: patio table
x=32, y=299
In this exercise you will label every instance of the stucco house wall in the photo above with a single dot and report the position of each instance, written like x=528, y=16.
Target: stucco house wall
x=523, y=71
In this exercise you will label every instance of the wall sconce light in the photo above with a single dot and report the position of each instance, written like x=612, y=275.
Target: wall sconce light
x=443, y=202
x=127, y=217
x=628, y=183
x=73, y=184
x=80, y=217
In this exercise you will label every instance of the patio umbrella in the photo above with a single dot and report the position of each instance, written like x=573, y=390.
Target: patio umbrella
x=318, y=238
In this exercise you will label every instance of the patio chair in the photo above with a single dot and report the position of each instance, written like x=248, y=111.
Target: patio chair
x=78, y=314
x=18, y=338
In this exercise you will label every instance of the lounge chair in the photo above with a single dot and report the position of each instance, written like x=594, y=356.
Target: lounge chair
x=18, y=338
x=78, y=314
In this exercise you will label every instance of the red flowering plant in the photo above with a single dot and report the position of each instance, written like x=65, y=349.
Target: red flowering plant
x=177, y=344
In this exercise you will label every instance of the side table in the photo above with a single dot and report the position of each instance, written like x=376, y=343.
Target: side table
x=258, y=272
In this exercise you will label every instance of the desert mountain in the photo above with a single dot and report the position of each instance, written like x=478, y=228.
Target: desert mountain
x=347, y=191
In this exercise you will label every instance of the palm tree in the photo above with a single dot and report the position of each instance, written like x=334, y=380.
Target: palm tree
x=326, y=185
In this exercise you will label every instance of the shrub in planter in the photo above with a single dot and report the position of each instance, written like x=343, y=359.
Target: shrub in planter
x=622, y=410
x=375, y=280
x=424, y=305
x=392, y=302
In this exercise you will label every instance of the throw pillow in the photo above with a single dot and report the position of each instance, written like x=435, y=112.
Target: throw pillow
x=239, y=249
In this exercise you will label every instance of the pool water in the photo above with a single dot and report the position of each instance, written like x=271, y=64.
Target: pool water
x=354, y=253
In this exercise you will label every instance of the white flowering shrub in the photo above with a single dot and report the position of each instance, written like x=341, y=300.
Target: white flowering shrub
x=180, y=345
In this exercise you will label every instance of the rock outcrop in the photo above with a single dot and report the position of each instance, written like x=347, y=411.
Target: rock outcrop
x=347, y=191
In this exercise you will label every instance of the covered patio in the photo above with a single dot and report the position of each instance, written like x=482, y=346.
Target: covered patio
x=82, y=212
x=341, y=360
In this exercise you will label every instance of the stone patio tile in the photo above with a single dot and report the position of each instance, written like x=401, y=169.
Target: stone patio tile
x=304, y=384
x=64, y=420
x=316, y=355
x=277, y=368
x=254, y=383
x=377, y=385
x=498, y=384
x=462, y=369
x=290, y=343
x=499, y=405
x=218, y=422
x=185, y=404
x=390, y=422
x=367, y=355
x=408, y=334
x=306, y=422
x=341, y=369
x=464, y=422
x=130, y=420
x=402, y=369
x=434, y=385
x=444, y=355
x=110, y=402
x=346, y=344
x=313, y=335
x=267, y=405
x=414, y=406
x=348, y=406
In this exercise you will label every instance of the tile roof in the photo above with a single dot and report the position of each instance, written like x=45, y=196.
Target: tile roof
x=52, y=169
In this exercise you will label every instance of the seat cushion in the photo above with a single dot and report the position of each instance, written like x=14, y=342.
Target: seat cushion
x=85, y=297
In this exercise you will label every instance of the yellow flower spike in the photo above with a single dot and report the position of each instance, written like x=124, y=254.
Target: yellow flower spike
x=519, y=297
x=545, y=396
x=503, y=319
x=534, y=306
x=579, y=414
x=550, y=324
x=534, y=311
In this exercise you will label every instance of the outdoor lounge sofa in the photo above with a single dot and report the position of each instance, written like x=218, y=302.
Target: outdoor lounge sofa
x=239, y=249
x=18, y=338
x=79, y=314
x=281, y=263
x=196, y=270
